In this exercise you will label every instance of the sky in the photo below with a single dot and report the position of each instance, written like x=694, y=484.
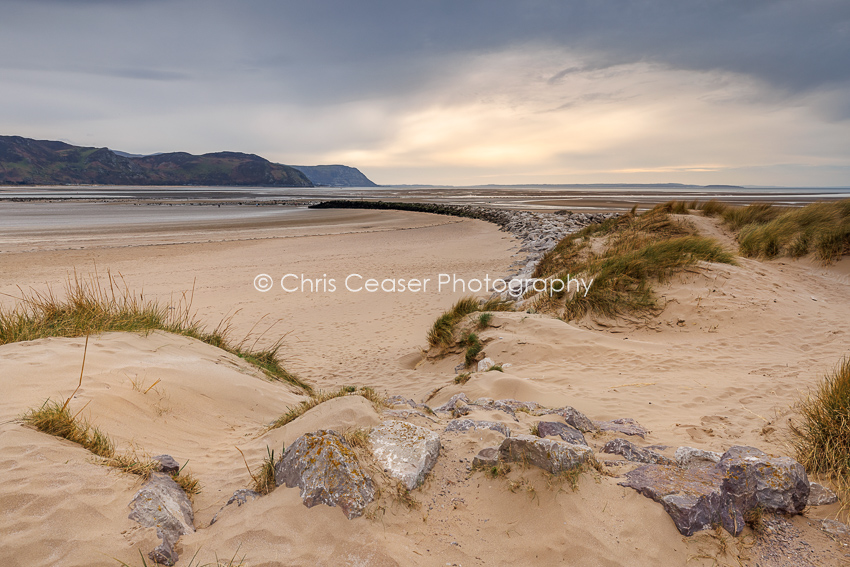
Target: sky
x=458, y=92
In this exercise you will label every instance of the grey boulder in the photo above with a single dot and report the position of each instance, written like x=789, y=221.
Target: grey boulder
x=753, y=479
x=327, y=471
x=487, y=457
x=573, y=417
x=624, y=425
x=552, y=456
x=163, y=505
x=167, y=464
x=406, y=451
x=240, y=497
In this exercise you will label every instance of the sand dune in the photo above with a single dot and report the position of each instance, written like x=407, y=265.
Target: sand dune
x=721, y=366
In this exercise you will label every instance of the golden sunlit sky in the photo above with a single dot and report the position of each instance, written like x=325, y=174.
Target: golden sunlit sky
x=460, y=93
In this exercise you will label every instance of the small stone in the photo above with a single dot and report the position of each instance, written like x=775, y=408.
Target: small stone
x=167, y=464
x=835, y=527
x=820, y=495
x=486, y=458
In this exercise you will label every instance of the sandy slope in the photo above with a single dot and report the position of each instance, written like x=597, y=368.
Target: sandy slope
x=721, y=366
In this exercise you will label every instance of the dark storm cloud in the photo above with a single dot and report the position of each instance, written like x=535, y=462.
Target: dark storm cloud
x=374, y=45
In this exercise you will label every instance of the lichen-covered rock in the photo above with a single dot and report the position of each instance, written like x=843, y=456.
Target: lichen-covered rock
x=634, y=453
x=572, y=416
x=406, y=451
x=487, y=457
x=326, y=470
x=819, y=495
x=552, y=456
x=163, y=505
x=754, y=479
x=624, y=425
x=240, y=497
x=688, y=456
x=692, y=497
x=485, y=364
x=557, y=429
x=467, y=424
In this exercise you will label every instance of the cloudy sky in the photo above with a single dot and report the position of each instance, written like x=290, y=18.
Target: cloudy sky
x=447, y=92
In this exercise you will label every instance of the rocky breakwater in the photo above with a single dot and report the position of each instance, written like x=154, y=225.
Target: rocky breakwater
x=538, y=232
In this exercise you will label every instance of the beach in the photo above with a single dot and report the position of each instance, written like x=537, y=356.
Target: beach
x=733, y=350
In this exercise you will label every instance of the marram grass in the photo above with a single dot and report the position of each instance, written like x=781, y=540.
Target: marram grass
x=294, y=412
x=442, y=332
x=89, y=306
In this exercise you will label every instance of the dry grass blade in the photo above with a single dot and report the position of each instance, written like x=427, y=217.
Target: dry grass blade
x=294, y=412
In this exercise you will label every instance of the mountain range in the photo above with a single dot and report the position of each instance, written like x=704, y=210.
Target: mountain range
x=24, y=161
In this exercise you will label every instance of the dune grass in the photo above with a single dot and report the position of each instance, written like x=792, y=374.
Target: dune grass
x=822, y=437
x=819, y=228
x=473, y=347
x=90, y=306
x=631, y=253
x=195, y=562
x=442, y=333
x=320, y=397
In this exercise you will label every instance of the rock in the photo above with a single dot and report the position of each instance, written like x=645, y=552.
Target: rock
x=450, y=405
x=753, y=479
x=625, y=425
x=485, y=364
x=167, y=464
x=240, y=497
x=467, y=424
x=552, y=456
x=686, y=456
x=489, y=404
x=835, y=527
x=724, y=494
x=819, y=495
x=573, y=417
x=326, y=470
x=634, y=453
x=486, y=458
x=162, y=504
x=408, y=452
x=692, y=497
x=407, y=414
x=557, y=429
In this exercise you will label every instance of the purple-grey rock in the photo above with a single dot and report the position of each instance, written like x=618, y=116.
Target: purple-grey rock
x=326, y=470
x=167, y=464
x=240, y=497
x=692, y=497
x=163, y=505
x=634, y=453
x=624, y=425
x=467, y=424
x=557, y=429
x=754, y=479
x=688, y=456
x=573, y=417
x=489, y=404
x=552, y=456
x=406, y=451
x=487, y=457
x=819, y=495
x=835, y=527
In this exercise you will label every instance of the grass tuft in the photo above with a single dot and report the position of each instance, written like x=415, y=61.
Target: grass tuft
x=442, y=333
x=55, y=419
x=463, y=378
x=90, y=306
x=822, y=438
